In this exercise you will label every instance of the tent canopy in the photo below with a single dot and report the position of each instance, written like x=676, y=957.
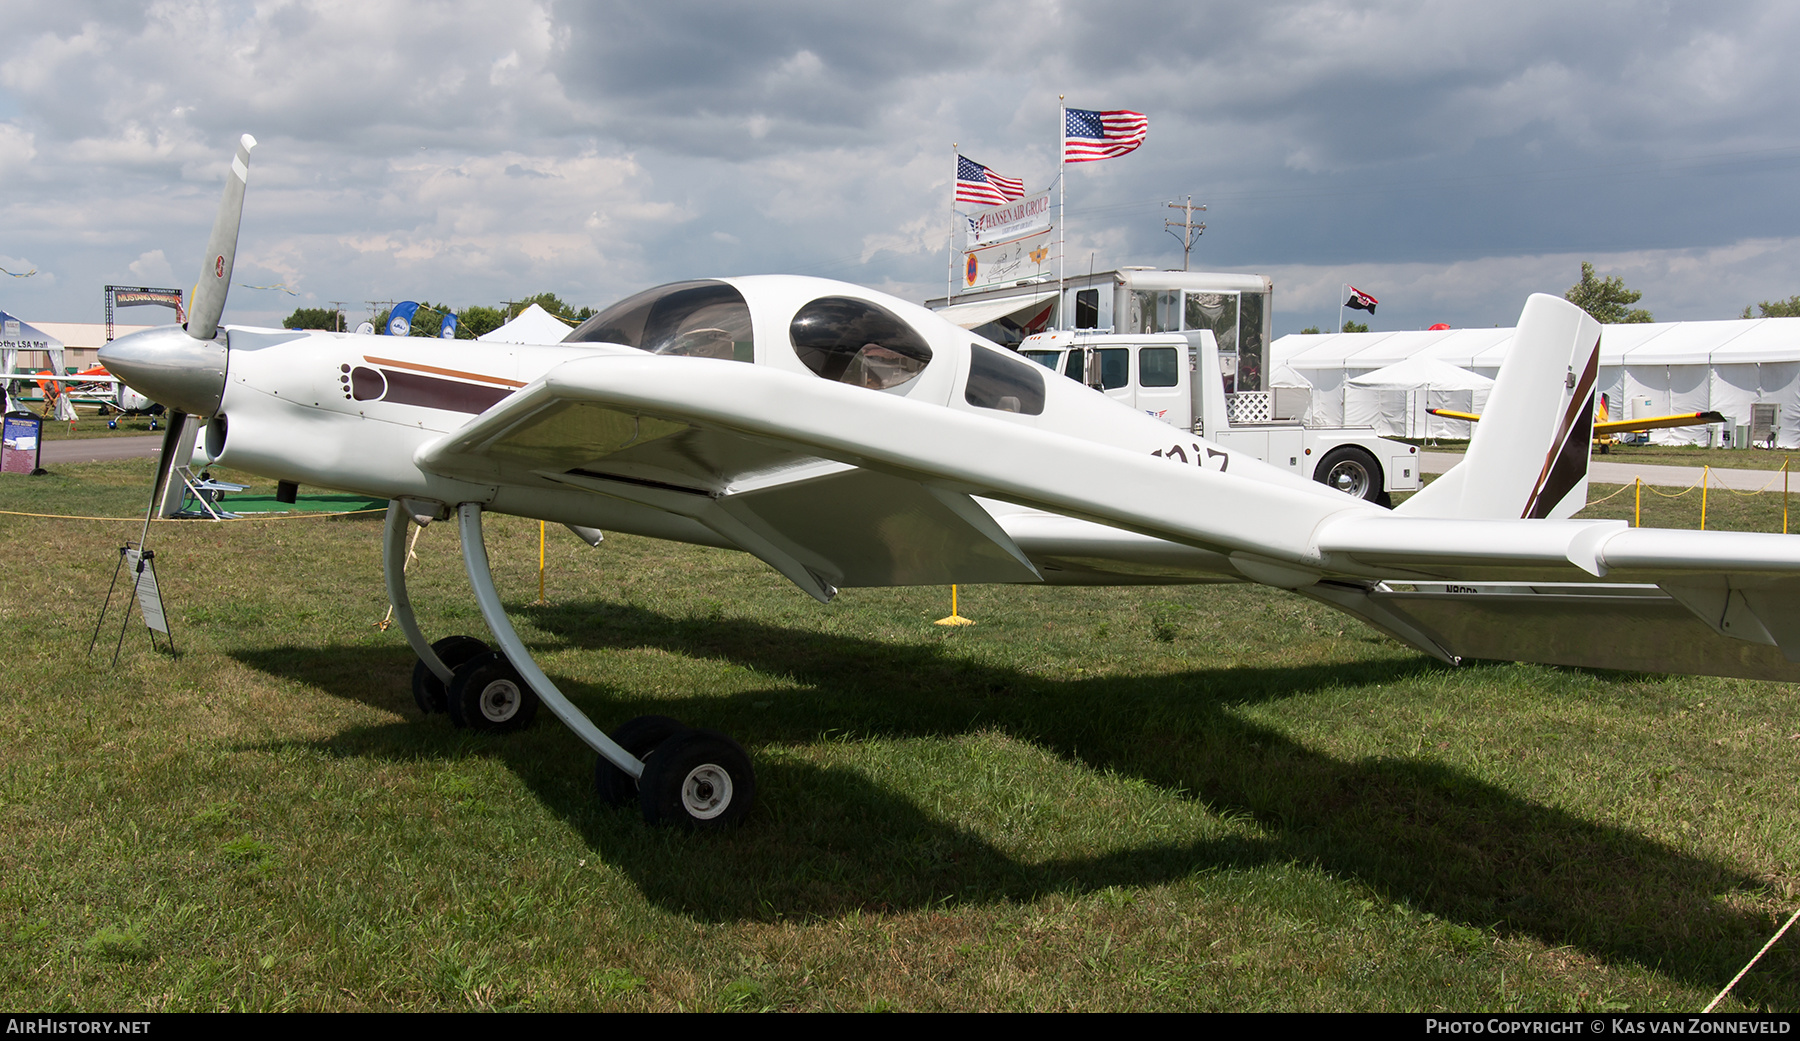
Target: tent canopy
x=1421, y=372
x=1285, y=378
x=981, y=312
x=533, y=325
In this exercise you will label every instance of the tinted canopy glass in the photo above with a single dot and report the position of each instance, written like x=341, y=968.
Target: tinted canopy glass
x=857, y=342
x=694, y=319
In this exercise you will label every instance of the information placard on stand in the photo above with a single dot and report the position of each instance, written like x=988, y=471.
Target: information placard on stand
x=23, y=440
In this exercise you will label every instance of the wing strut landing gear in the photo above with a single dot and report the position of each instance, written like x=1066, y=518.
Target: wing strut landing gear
x=475, y=560
x=393, y=566
x=696, y=779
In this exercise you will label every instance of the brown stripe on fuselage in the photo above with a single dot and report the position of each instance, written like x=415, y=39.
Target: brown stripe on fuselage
x=411, y=388
x=458, y=373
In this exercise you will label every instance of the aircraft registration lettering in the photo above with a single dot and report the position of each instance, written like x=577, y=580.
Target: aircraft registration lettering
x=1202, y=455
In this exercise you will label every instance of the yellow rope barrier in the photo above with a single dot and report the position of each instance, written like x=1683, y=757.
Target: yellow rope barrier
x=1603, y=498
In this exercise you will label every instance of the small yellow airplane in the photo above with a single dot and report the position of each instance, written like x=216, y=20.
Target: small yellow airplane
x=1605, y=430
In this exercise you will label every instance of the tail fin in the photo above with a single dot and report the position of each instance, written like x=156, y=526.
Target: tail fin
x=1529, y=455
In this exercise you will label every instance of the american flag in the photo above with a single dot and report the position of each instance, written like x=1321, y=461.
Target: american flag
x=977, y=184
x=1088, y=136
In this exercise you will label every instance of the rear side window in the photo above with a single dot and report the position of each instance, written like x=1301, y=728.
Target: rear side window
x=1004, y=382
x=1156, y=367
x=857, y=342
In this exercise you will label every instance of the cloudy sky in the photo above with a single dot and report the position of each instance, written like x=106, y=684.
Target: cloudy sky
x=1447, y=158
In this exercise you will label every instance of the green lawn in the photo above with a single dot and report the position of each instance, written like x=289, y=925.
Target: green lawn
x=1182, y=799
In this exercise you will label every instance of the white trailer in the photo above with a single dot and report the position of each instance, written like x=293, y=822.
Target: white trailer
x=1178, y=378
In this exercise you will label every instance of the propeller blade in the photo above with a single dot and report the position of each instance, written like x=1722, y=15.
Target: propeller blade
x=165, y=460
x=221, y=249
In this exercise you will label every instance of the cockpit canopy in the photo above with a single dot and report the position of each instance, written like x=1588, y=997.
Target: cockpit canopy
x=856, y=342
x=699, y=319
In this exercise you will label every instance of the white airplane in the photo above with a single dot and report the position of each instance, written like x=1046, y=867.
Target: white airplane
x=849, y=438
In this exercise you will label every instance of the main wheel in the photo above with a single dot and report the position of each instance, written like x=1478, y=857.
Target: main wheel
x=640, y=737
x=428, y=691
x=699, y=780
x=1352, y=471
x=487, y=693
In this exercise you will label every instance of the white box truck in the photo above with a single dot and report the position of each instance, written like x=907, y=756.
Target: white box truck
x=1135, y=325
x=1177, y=378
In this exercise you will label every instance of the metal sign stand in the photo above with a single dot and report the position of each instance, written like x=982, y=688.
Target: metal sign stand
x=145, y=593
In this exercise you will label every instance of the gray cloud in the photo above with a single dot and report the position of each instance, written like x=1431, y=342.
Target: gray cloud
x=470, y=151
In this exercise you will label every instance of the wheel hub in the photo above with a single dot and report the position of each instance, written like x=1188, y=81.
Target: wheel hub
x=500, y=700
x=706, y=792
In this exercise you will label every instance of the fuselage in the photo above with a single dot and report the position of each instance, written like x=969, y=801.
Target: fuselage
x=353, y=412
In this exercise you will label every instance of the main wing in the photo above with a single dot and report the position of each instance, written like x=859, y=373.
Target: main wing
x=836, y=485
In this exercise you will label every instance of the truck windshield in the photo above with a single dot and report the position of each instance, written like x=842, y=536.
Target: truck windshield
x=1047, y=359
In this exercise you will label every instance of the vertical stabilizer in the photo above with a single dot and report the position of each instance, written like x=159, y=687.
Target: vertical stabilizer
x=1529, y=455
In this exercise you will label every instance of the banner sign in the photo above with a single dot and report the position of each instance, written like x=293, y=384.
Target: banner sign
x=992, y=225
x=1008, y=262
x=170, y=298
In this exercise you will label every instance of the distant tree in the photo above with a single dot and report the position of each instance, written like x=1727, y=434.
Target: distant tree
x=1311, y=330
x=1606, y=298
x=476, y=321
x=1355, y=327
x=552, y=303
x=313, y=318
x=1789, y=308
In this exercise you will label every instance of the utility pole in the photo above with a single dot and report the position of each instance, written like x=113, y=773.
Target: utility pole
x=1189, y=230
x=337, y=306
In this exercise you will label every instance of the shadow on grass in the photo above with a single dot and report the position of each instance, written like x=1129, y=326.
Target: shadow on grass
x=827, y=841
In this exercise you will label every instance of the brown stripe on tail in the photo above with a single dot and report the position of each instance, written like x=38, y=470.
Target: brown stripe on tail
x=1567, y=461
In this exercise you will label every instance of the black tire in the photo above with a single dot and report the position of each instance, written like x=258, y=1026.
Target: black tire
x=1352, y=471
x=639, y=736
x=700, y=781
x=428, y=691
x=488, y=694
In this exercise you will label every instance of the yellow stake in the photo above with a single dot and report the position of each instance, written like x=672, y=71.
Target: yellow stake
x=1705, y=471
x=1637, y=512
x=541, y=599
x=954, y=619
x=1784, y=494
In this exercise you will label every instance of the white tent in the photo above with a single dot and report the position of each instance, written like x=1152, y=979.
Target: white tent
x=1291, y=394
x=1331, y=360
x=17, y=336
x=533, y=325
x=1394, y=399
x=1648, y=369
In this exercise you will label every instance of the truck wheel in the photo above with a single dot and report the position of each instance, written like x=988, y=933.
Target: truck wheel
x=1352, y=471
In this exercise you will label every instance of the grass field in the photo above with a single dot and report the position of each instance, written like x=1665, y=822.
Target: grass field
x=1184, y=799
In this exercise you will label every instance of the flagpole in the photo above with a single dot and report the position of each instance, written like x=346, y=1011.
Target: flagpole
x=1062, y=216
x=950, y=250
x=1343, y=291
